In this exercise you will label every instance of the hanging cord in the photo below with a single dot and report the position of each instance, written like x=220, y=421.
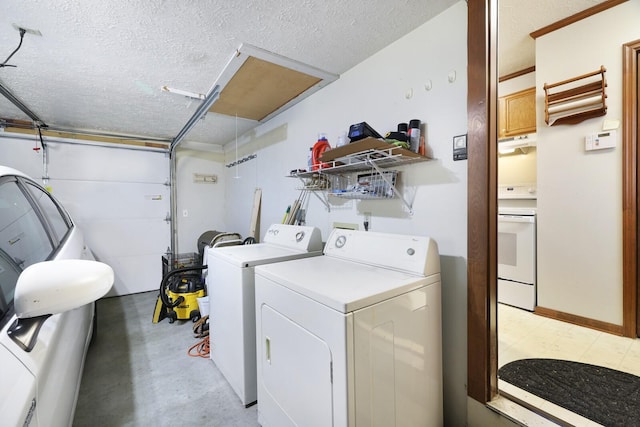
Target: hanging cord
x=44, y=147
x=42, y=144
x=237, y=163
x=36, y=148
x=4, y=64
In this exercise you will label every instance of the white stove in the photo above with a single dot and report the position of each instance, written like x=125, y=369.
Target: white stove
x=517, y=256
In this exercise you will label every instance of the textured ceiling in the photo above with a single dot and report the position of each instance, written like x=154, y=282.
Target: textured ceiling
x=99, y=65
x=518, y=18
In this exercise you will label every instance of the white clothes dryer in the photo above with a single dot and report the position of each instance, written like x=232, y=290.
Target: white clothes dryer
x=352, y=337
x=230, y=286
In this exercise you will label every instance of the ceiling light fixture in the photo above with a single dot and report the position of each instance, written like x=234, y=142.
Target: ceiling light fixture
x=27, y=30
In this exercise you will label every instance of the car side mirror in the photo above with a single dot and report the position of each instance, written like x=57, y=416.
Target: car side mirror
x=53, y=287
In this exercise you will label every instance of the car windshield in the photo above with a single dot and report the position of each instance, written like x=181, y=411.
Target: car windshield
x=23, y=239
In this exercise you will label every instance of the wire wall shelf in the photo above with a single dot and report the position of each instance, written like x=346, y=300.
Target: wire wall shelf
x=335, y=175
x=360, y=161
x=368, y=186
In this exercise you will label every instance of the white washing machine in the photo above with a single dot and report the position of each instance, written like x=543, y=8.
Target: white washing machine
x=230, y=286
x=352, y=337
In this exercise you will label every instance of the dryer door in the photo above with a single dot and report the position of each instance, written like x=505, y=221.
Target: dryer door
x=296, y=372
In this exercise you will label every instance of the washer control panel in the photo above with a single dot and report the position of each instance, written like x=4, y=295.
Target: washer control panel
x=394, y=251
x=294, y=236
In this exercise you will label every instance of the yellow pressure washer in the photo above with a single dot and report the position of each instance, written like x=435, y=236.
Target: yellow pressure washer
x=179, y=293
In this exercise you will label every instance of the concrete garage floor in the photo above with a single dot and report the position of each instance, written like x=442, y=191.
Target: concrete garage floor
x=139, y=374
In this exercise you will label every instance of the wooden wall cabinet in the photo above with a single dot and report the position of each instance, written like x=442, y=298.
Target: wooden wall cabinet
x=517, y=113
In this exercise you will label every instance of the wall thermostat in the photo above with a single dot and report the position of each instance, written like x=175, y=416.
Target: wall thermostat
x=600, y=141
x=460, y=147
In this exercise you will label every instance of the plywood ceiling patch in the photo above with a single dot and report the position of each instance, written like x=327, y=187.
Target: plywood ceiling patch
x=260, y=88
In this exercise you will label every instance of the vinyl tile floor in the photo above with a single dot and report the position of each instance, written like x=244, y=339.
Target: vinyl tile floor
x=138, y=373
x=522, y=334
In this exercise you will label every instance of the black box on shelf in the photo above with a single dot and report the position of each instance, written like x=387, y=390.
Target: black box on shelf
x=360, y=131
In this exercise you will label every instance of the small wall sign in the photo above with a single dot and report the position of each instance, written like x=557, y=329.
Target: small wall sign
x=460, y=147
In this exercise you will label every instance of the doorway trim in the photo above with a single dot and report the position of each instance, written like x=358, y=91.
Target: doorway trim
x=482, y=83
x=630, y=161
x=482, y=200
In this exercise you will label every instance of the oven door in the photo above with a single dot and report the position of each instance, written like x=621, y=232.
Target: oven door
x=517, y=248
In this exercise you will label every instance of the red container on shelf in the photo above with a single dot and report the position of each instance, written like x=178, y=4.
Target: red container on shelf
x=318, y=148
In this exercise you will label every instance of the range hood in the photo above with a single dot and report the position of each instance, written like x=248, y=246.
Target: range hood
x=521, y=142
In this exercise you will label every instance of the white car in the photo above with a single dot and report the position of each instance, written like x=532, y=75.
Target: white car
x=49, y=281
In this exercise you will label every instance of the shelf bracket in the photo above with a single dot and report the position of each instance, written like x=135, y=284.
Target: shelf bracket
x=324, y=202
x=315, y=193
x=390, y=183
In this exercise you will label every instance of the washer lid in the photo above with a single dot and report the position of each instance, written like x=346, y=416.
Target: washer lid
x=259, y=253
x=341, y=284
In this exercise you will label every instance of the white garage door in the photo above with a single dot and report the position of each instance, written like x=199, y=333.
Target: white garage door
x=118, y=197
x=120, y=200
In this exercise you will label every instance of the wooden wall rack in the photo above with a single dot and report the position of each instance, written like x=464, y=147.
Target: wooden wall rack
x=574, y=100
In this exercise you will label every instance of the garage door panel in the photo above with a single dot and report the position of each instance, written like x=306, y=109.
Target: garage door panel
x=110, y=200
x=95, y=163
x=117, y=195
x=134, y=274
x=126, y=237
x=120, y=200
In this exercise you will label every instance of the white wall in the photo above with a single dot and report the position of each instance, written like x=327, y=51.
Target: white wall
x=374, y=91
x=204, y=203
x=580, y=193
x=517, y=84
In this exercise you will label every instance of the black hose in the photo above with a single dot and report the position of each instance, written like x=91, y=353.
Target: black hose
x=165, y=281
x=4, y=64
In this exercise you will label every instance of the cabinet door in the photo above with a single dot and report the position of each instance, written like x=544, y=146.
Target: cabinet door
x=519, y=113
